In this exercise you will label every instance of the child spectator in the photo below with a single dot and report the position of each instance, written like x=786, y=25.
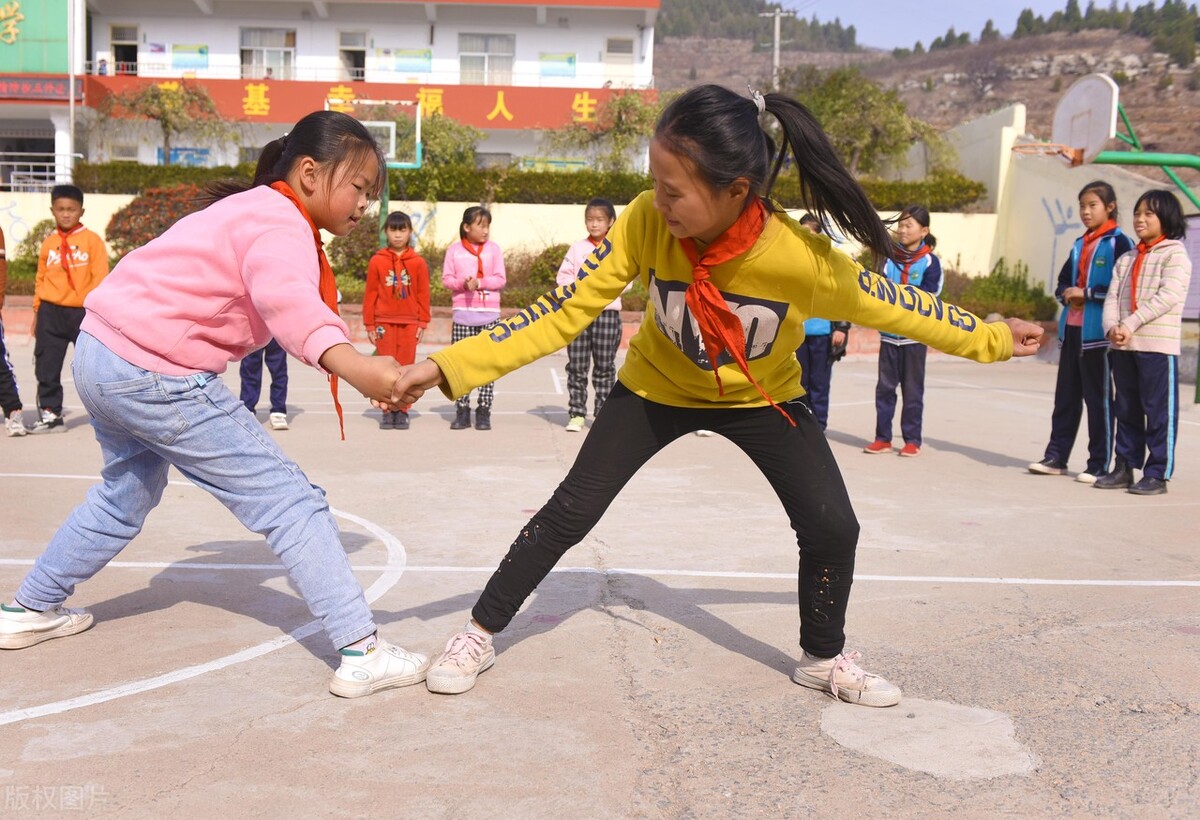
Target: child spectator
x=396, y=302
x=1083, y=376
x=706, y=237
x=1142, y=313
x=595, y=348
x=147, y=370
x=902, y=360
x=473, y=272
x=251, y=374
x=824, y=343
x=71, y=263
x=10, y=398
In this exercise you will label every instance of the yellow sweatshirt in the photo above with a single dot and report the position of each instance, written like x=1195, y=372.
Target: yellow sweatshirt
x=89, y=266
x=788, y=276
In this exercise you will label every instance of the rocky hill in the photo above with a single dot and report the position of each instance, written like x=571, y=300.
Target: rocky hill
x=951, y=86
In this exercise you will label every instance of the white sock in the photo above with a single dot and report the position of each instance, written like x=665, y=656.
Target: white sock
x=475, y=630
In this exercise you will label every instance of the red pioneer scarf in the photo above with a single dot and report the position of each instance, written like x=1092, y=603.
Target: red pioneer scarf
x=398, y=288
x=1090, y=240
x=1143, y=249
x=326, y=285
x=720, y=328
x=64, y=251
x=477, y=252
x=911, y=258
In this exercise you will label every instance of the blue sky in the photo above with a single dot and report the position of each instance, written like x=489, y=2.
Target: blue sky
x=892, y=23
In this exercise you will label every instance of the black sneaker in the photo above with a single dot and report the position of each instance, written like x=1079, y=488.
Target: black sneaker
x=1119, y=479
x=400, y=419
x=1149, y=486
x=1048, y=466
x=49, y=421
x=462, y=419
x=483, y=418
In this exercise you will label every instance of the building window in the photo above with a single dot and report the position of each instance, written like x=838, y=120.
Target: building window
x=618, y=51
x=123, y=153
x=352, y=49
x=486, y=59
x=124, y=43
x=268, y=53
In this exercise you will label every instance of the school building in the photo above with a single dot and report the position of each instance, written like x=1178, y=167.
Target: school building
x=512, y=68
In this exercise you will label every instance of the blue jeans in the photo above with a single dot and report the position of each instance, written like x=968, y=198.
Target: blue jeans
x=146, y=422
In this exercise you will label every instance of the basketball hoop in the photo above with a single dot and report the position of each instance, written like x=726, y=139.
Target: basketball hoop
x=1073, y=156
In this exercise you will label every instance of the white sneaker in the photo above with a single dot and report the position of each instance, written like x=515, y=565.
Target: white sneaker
x=705, y=433
x=1086, y=478
x=575, y=425
x=49, y=421
x=15, y=424
x=383, y=666
x=841, y=677
x=21, y=627
x=279, y=421
x=467, y=656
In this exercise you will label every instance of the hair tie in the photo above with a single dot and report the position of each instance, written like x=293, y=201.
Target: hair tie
x=756, y=96
x=283, y=141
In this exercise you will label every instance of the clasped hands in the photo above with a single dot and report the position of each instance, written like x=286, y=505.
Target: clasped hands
x=410, y=383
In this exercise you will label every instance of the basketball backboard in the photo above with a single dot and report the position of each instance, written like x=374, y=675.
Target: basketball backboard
x=1086, y=117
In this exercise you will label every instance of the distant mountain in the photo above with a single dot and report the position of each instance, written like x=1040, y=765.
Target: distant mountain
x=740, y=20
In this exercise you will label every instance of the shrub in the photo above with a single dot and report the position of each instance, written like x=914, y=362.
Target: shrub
x=149, y=215
x=133, y=178
x=27, y=249
x=1001, y=291
x=350, y=255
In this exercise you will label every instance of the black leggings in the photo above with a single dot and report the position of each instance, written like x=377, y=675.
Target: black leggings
x=628, y=432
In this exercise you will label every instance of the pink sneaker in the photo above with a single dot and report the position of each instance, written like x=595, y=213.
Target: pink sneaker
x=468, y=655
x=841, y=677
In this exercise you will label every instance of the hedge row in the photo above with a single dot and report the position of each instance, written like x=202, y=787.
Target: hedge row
x=939, y=192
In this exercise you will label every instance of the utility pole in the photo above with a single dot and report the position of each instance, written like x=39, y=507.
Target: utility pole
x=778, y=14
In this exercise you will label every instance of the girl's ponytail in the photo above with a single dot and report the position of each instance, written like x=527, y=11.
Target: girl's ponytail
x=826, y=186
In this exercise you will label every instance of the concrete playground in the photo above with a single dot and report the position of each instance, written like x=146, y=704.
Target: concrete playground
x=1046, y=634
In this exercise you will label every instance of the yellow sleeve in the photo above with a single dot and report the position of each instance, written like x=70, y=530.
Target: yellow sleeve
x=851, y=293
x=555, y=318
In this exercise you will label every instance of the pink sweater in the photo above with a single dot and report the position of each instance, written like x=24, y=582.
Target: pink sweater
x=568, y=271
x=218, y=284
x=474, y=307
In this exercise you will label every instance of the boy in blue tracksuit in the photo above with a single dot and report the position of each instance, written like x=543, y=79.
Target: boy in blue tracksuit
x=824, y=343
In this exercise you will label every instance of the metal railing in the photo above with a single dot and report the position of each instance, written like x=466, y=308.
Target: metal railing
x=32, y=172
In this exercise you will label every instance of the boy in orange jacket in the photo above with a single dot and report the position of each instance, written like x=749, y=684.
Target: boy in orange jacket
x=71, y=263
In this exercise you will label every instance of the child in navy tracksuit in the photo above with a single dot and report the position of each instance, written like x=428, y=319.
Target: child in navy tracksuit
x=824, y=343
x=1084, y=379
x=901, y=360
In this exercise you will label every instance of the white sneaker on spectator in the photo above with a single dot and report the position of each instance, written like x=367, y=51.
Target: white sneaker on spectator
x=383, y=666
x=279, y=421
x=15, y=424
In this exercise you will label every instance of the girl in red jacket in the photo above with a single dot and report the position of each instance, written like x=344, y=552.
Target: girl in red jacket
x=396, y=302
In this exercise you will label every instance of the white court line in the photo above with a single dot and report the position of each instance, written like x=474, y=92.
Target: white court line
x=392, y=571
x=665, y=573
x=558, y=391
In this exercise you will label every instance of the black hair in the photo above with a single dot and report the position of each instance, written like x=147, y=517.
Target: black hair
x=66, y=192
x=719, y=131
x=920, y=215
x=1105, y=193
x=1165, y=205
x=397, y=220
x=328, y=137
x=472, y=215
x=811, y=222
x=602, y=204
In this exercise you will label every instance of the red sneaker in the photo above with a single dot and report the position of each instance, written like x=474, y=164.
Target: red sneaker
x=910, y=450
x=878, y=446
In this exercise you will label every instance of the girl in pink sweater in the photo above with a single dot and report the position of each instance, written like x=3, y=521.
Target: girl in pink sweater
x=148, y=364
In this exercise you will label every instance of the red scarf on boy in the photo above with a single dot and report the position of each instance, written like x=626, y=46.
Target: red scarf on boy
x=1143, y=249
x=1090, y=240
x=720, y=328
x=64, y=251
x=326, y=285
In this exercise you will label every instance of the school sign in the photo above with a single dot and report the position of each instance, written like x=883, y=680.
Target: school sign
x=33, y=37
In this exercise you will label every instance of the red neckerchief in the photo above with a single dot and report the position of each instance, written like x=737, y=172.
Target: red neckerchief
x=1090, y=240
x=478, y=254
x=1143, y=250
x=326, y=285
x=64, y=250
x=596, y=242
x=720, y=328
x=911, y=257
x=398, y=289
